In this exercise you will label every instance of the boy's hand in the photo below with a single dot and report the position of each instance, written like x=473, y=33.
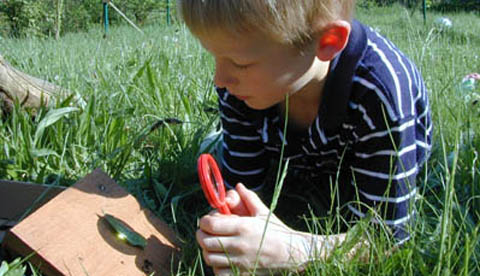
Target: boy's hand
x=236, y=204
x=234, y=240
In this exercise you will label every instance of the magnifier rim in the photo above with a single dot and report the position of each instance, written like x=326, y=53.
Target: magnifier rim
x=206, y=167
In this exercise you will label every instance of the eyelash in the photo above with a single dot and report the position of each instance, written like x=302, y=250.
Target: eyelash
x=241, y=67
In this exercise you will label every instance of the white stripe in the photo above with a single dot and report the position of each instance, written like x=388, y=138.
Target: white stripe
x=386, y=132
x=303, y=167
x=386, y=221
x=417, y=81
x=294, y=156
x=272, y=148
x=427, y=130
x=321, y=164
x=243, y=154
x=379, y=93
x=320, y=132
x=387, y=152
x=392, y=73
x=311, y=139
x=233, y=120
x=355, y=135
x=264, y=131
x=280, y=134
x=385, y=175
x=410, y=87
x=389, y=199
x=241, y=137
x=423, y=144
x=329, y=152
x=366, y=118
x=340, y=142
x=252, y=172
x=400, y=242
x=425, y=112
x=225, y=104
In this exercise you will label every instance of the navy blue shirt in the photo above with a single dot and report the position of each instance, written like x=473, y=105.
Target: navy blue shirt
x=373, y=126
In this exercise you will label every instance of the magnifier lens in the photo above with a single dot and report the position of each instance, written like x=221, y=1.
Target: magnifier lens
x=214, y=181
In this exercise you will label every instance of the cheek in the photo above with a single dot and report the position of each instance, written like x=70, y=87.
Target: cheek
x=271, y=77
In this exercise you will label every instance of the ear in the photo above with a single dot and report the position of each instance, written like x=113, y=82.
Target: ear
x=332, y=39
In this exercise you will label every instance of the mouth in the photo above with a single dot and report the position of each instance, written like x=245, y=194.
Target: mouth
x=240, y=97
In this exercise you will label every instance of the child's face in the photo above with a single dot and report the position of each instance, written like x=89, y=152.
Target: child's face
x=258, y=70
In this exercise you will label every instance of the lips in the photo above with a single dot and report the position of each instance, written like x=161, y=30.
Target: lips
x=240, y=97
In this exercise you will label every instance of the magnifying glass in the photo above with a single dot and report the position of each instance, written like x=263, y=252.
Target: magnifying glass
x=212, y=183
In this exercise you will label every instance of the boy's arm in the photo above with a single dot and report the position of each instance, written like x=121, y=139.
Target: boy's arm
x=387, y=157
x=322, y=247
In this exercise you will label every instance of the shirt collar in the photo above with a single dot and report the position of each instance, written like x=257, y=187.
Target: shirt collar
x=338, y=85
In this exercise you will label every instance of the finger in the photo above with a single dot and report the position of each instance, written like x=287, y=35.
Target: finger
x=235, y=204
x=230, y=271
x=232, y=198
x=222, y=271
x=218, y=244
x=220, y=225
x=253, y=203
x=218, y=260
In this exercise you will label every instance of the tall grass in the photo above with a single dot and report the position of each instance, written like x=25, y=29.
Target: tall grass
x=130, y=83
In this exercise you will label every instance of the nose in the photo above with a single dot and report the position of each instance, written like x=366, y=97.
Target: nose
x=223, y=76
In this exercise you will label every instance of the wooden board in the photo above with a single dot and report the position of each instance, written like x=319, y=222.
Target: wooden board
x=20, y=198
x=17, y=197
x=70, y=237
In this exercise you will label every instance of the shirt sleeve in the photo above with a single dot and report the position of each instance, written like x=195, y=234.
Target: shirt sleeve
x=388, y=154
x=244, y=157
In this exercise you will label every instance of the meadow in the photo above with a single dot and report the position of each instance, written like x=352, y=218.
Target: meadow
x=143, y=104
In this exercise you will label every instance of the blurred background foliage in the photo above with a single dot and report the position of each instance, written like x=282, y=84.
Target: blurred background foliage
x=438, y=5
x=21, y=18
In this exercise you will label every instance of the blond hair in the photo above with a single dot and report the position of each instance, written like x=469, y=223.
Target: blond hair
x=286, y=21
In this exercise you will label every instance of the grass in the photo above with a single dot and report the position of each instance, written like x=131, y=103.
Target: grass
x=130, y=82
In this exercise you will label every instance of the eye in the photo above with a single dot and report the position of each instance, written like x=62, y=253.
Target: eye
x=241, y=66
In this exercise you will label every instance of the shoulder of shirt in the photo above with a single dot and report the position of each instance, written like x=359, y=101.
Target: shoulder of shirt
x=382, y=69
x=382, y=58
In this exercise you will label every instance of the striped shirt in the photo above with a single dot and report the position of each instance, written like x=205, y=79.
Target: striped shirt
x=373, y=126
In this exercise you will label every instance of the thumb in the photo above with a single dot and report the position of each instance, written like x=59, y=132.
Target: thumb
x=252, y=202
x=236, y=204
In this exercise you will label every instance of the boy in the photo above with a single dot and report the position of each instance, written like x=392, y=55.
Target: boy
x=359, y=124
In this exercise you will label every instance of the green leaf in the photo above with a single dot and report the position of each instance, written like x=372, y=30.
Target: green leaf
x=129, y=235
x=44, y=152
x=3, y=268
x=15, y=268
x=50, y=118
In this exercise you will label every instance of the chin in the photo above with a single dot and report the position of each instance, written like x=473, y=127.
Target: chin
x=258, y=106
